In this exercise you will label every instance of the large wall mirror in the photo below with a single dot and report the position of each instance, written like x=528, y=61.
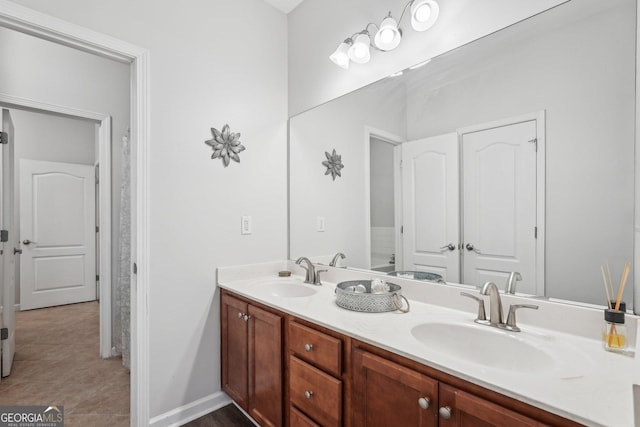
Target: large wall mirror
x=511, y=153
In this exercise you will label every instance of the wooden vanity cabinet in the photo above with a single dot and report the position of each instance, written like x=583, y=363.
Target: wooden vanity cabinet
x=469, y=410
x=251, y=346
x=316, y=383
x=389, y=389
x=389, y=394
x=287, y=371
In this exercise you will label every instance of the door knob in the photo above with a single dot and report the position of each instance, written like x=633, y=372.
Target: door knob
x=450, y=247
x=470, y=248
x=445, y=412
x=27, y=242
x=17, y=251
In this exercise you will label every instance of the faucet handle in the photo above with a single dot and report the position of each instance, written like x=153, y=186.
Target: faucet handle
x=511, y=318
x=482, y=315
x=318, y=282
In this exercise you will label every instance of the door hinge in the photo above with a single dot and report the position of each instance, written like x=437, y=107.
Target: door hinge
x=135, y=268
x=535, y=232
x=97, y=229
x=535, y=141
x=97, y=277
x=4, y=235
x=402, y=229
x=4, y=138
x=4, y=334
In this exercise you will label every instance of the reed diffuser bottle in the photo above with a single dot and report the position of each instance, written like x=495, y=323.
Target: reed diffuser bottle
x=614, y=332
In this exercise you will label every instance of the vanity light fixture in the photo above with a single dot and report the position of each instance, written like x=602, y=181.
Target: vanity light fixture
x=359, y=51
x=388, y=35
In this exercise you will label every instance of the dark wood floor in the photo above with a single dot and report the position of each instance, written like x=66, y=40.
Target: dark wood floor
x=227, y=416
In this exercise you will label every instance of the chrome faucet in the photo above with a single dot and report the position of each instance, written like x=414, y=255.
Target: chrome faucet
x=511, y=282
x=495, y=304
x=334, y=261
x=312, y=276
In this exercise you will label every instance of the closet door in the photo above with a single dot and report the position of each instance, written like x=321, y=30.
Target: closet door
x=430, y=193
x=499, y=204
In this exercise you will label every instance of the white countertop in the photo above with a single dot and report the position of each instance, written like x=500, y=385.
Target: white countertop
x=595, y=390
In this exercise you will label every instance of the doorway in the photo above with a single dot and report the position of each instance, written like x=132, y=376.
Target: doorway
x=64, y=33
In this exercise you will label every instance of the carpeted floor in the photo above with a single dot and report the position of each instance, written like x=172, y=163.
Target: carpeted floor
x=57, y=363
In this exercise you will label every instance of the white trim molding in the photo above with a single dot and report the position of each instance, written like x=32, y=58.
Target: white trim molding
x=191, y=411
x=59, y=31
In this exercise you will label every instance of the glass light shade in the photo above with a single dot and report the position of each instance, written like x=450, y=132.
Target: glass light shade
x=341, y=56
x=389, y=35
x=359, y=52
x=424, y=14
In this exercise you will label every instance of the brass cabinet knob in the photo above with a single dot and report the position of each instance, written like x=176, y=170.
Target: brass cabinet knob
x=308, y=394
x=308, y=347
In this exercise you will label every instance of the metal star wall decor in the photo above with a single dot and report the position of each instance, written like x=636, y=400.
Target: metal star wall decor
x=226, y=145
x=333, y=164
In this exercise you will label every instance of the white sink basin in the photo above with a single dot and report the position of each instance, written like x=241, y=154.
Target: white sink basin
x=285, y=288
x=514, y=352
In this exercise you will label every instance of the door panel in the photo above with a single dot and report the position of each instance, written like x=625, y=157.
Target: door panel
x=8, y=263
x=57, y=228
x=499, y=202
x=430, y=198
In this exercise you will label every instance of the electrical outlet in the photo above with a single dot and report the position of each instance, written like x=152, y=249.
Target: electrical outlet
x=245, y=227
x=320, y=224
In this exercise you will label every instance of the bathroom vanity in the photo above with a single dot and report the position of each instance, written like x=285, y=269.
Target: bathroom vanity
x=290, y=356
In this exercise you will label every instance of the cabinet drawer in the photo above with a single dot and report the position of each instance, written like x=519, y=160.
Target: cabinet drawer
x=298, y=419
x=315, y=347
x=315, y=393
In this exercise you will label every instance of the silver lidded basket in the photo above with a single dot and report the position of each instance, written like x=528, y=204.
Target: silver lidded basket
x=357, y=295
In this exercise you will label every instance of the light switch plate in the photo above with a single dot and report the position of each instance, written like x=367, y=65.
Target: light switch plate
x=246, y=226
x=320, y=224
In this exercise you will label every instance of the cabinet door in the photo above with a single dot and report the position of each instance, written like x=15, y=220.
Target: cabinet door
x=234, y=346
x=468, y=410
x=265, y=367
x=388, y=394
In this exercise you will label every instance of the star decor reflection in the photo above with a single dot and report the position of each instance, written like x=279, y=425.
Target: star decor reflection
x=333, y=164
x=226, y=145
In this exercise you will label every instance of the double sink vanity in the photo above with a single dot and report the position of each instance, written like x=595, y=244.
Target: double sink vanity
x=291, y=356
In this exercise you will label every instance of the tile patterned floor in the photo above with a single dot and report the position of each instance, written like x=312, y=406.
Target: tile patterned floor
x=57, y=362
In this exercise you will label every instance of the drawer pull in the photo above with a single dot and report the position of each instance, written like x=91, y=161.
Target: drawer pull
x=246, y=317
x=308, y=394
x=424, y=402
x=308, y=347
x=240, y=315
x=445, y=412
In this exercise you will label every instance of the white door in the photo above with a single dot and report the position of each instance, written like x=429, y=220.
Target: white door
x=430, y=194
x=499, y=204
x=57, y=229
x=8, y=262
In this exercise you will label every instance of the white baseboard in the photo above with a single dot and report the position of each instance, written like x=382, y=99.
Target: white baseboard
x=17, y=307
x=191, y=411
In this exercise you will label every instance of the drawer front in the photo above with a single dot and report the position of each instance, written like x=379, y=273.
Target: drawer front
x=315, y=347
x=298, y=419
x=315, y=393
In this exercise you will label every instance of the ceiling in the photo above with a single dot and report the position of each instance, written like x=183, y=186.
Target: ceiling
x=284, y=5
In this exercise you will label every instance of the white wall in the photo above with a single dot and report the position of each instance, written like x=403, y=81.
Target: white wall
x=590, y=145
x=316, y=27
x=341, y=201
x=212, y=62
